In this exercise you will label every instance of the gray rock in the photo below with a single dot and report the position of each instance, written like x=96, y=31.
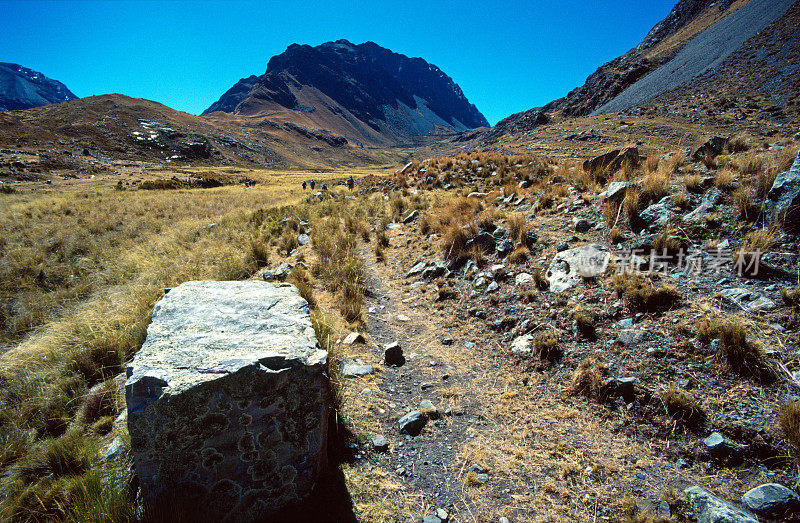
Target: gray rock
x=522, y=345
x=771, y=500
x=582, y=225
x=410, y=217
x=612, y=160
x=570, y=267
x=625, y=388
x=616, y=191
x=303, y=239
x=505, y=248
x=711, y=149
x=708, y=508
x=229, y=385
x=393, y=355
x=355, y=368
x=431, y=519
x=429, y=409
x=353, y=338
x=783, y=200
x=433, y=272
x=633, y=337
x=492, y=287
x=484, y=240
x=658, y=214
x=280, y=273
x=412, y=423
x=115, y=450
x=723, y=449
x=380, y=443
x=416, y=269
x=523, y=278
x=747, y=300
x=711, y=198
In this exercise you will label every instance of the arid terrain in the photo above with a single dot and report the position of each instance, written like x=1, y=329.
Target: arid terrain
x=574, y=315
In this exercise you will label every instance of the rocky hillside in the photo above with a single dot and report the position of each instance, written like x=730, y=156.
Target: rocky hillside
x=23, y=88
x=364, y=92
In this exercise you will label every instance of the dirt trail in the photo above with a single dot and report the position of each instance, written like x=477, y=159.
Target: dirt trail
x=429, y=464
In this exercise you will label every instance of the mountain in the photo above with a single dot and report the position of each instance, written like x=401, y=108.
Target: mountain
x=698, y=44
x=363, y=92
x=75, y=135
x=23, y=88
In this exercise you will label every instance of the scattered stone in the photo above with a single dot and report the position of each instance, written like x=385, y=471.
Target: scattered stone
x=624, y=388
x=771, y=500
x=522, y=345
x=616, y=191
x=442, y=514
x=710, y=200
x=711, y=149
x=355, y=368
x=393, y=355
x=723, y=449
x=658, y=214
x=447, y=341
x=303, y=239
x=492, y=287
x=115, y=450
x=353, y=338
x=747, y=300
x=412, y=423
x=523, y=278
x=278, y=274
x=708, y=508
x=582, y=225
x=505, y=248
x=380, y=443
x=484, y=240
x=403, y=318
x=783, y=199
x=633, y=337
x=569, y=268
x=416, y=269
x=224, y=361
x=410, y=217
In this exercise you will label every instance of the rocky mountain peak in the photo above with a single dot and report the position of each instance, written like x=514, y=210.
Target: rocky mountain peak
x=23, y=88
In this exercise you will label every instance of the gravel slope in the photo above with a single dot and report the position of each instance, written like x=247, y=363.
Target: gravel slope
x=707, y=50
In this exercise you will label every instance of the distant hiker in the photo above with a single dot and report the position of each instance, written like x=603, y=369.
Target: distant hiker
x=324, y=187
x=304, y=185
x=350, y=183
x=313, y=183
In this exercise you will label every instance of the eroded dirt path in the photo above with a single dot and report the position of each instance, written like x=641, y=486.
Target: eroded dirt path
x=428, y=465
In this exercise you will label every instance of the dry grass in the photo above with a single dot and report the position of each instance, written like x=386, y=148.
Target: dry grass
x=725, y=180
x=791, y=296
x=693, y=183
x=755, y=244
x=644, y=296
x=683, y=408
x=655, y=186
x=546, y=346
x=789, y=420
x=744, y=356
x=587, y=380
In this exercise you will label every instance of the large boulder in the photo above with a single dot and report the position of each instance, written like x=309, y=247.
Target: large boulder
x=711, y=149
x=658, y=214
x=612, y=161
x=772, y=500
x=708, y=508
x=228, y=401
x=569, y=268
x=783, y=199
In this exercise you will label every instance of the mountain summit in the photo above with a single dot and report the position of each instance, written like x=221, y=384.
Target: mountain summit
x=362, y=91
x=23, y=88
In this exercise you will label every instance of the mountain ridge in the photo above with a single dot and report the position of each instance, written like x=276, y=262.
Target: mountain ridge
x=393, y=95
x=24, y=88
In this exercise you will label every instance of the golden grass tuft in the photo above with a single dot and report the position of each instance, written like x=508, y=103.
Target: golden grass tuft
x=682, y=407
x=744, y=356
x=789, y=421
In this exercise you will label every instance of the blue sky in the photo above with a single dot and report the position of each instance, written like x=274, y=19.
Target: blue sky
x=507, y=56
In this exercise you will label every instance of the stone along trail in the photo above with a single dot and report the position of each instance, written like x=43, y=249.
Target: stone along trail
x=439, y=368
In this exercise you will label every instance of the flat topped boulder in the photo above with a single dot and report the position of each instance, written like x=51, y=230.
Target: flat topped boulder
x=228, y=401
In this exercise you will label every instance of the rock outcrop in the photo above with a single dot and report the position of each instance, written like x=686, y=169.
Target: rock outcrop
x=228, y=401
x=569, y=268
x=783, y=199
x=23, y=88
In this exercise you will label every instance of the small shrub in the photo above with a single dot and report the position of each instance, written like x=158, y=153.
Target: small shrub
x=744, y=356
x=791, y=296
x=725, y=180
x=519, y=255
x=643, y=296
x=708, y=329
x=546, y=346
x=738, y=144
x=655, y=186
x=584, y=325
x=587, y=380
x=789, y=420
x=682, y=407
x=693, y=183
x=287, y=242
x=517, y=227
